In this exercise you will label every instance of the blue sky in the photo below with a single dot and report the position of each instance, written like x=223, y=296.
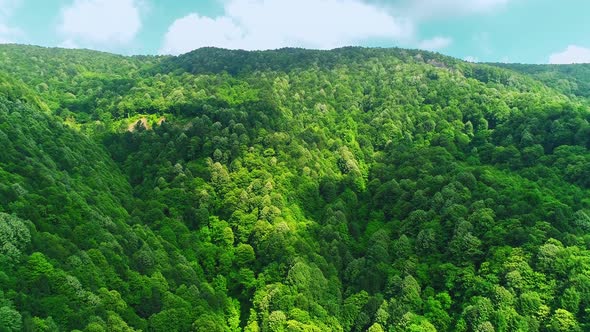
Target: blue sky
x=526, y=31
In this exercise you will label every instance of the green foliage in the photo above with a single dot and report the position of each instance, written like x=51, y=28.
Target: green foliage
x=568, y=79
x=291, y=190
x=10, y=320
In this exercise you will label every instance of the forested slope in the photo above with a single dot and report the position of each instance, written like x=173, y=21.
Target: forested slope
x=568, y=79
x=290, y=190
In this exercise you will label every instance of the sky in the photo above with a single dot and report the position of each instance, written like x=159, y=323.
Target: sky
x=522, y=31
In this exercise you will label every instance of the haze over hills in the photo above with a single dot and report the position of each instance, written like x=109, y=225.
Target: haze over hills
x=292, y=190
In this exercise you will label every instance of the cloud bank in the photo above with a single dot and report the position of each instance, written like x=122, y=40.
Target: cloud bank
x=572, y=54
x=435, y=44
x=269, y=24
x=322, y=24
x=100, y=22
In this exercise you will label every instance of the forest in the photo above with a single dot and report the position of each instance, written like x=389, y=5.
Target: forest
x=356, y=189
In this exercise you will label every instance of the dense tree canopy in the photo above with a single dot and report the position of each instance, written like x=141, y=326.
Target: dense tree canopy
x=291, y=190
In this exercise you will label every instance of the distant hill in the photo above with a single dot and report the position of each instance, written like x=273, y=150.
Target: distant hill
x=568, y=79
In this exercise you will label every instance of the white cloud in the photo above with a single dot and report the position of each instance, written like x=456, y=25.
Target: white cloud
x=435, y=44
x=100, y=21
x=68, y=43
x=269, y=24
x=470, y=58
x=572, y=54
x=194, y=31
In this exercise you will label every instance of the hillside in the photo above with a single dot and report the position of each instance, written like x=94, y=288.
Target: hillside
x=290, y=190
x=568, y=79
